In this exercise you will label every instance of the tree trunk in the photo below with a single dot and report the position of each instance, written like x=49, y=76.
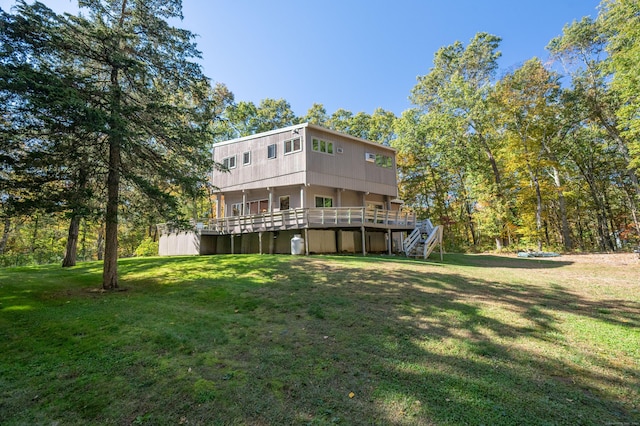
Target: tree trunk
x=546, y=233
x=601, y=217
x=100, y=243
x=34, y=236
x=612, y=226
x=622, y=148
x=83, y=242
x=634, y=215
x=567, y=242
x=580, y=228
x=71, y=252
x=469, y=217
x=538, y=212
x=5, y=234
x=536, y=185
x=492, y=161
x=110, y=268
x=566, y=232
x=498, y=189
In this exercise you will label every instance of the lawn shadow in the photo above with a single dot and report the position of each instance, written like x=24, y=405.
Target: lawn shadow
x=493, y=261
x=474, y=260
x=385, y=343
x=337, y=340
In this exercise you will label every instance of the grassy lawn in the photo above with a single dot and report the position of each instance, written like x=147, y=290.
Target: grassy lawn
x=270, y=340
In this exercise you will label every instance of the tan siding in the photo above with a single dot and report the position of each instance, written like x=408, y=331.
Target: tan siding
x=351, y=199
x=321, y=179
x=285, y=169
x=349, y=169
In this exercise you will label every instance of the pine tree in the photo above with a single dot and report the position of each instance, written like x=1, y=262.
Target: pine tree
x=146, y=106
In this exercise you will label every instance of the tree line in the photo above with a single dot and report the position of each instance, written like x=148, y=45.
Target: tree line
x=108, y=122
x=546, y=155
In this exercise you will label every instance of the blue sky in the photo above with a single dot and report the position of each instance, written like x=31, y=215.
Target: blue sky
x=354, y=54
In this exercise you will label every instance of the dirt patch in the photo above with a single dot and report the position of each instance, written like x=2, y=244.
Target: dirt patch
x=621, y=259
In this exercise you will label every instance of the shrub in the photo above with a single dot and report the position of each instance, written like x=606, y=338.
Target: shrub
x=147, y=247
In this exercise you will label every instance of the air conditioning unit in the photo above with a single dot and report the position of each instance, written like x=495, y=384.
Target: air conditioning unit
x=370, y=157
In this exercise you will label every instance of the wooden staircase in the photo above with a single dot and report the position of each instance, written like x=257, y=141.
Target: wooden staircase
x=423, y=240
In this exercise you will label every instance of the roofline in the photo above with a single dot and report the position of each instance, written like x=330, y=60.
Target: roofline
x=300, y=126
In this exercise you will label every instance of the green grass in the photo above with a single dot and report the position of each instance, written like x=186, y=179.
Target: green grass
x=260, y=340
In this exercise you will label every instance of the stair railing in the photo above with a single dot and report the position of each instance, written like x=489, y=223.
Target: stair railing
x=412, y=240
x=434, y=238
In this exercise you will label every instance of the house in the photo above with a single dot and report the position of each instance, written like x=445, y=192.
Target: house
x=338, y=193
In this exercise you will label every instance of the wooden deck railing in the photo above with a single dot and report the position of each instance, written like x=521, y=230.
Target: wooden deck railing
x=327, y=217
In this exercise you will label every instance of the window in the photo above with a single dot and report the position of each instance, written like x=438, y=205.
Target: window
x=258, y=206
x=324, y=201
x=292, y=145
x=246, y=158
x=272, y=151
x=284, y=202
x=236, y=209
x=380, y=160
x=319, y=145
x=229, y=162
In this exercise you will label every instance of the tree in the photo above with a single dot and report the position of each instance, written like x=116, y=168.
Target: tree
x=135, y=72
x=581, y=49
x=317, y=114
x=528, y=100
x=378, y=127
x=245, y=118
x=340, y=121
x=432, y=177
x=382, y=127
x=274, y=114
x=48, y=121
x=620, y=22
x=455, y=93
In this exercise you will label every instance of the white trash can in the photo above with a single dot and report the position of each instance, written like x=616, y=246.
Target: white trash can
x=297, y=245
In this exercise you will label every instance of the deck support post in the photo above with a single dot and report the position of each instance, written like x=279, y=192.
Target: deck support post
x=364, y=241
x=243, y=210
x=306, y=241
x=389, y=241
x=272, y=242
x=231, y=235
x=260, y=241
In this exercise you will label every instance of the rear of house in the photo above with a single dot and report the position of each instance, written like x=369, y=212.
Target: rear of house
x=337, y=191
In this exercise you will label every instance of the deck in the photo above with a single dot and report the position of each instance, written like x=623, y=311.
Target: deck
x=311, y=218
